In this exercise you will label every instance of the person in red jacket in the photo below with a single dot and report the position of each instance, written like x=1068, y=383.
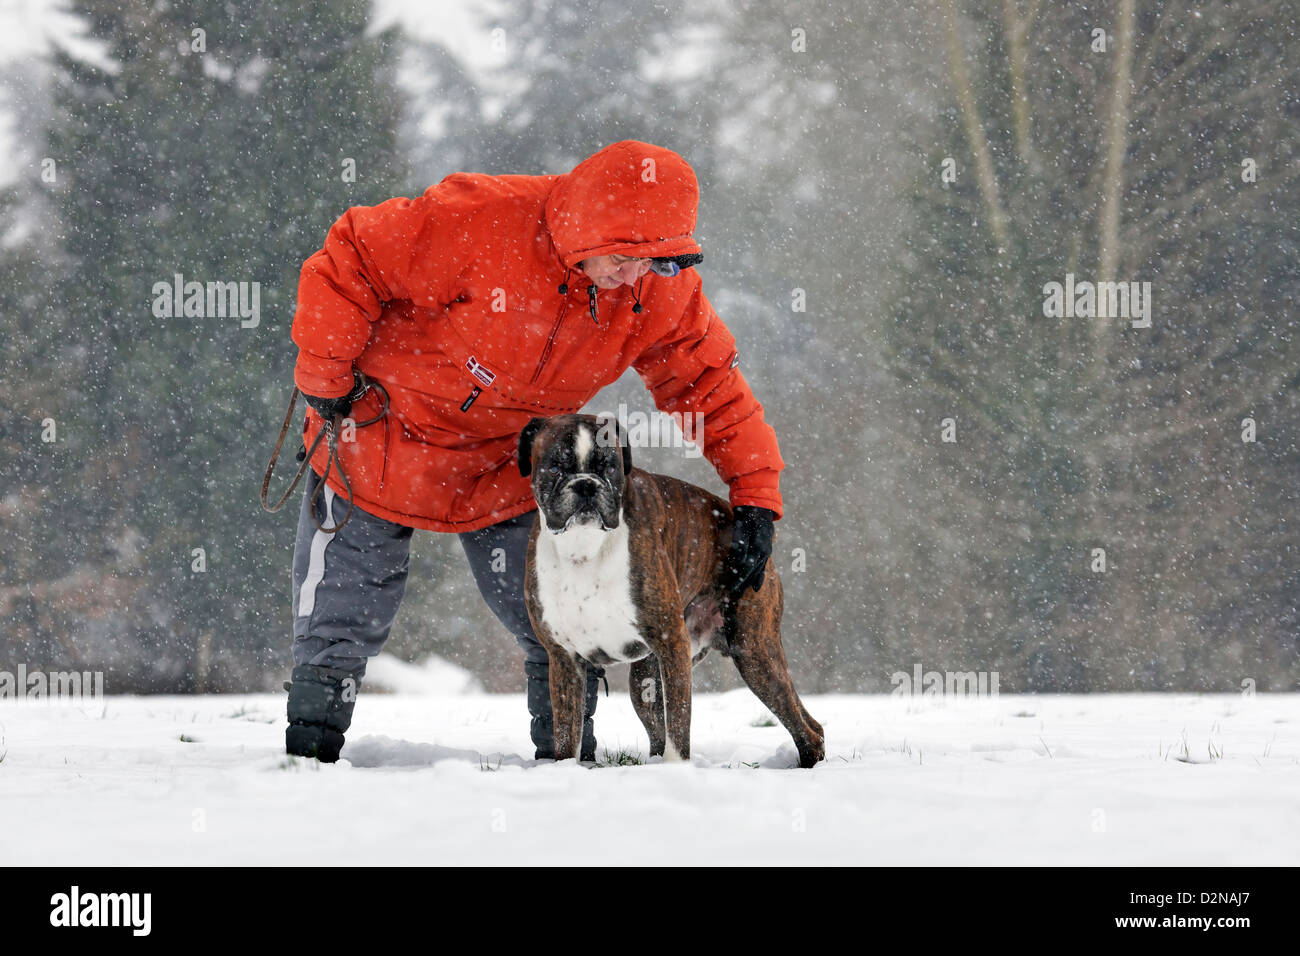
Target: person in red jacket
x=485, y=302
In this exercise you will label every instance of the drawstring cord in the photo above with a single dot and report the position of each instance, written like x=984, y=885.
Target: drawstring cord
x=637, y=307
x=636, y=294
x=591, y=295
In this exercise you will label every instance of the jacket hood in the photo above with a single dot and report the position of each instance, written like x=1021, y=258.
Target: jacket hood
x=631, y=199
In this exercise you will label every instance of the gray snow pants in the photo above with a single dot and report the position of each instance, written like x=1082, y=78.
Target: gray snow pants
x=347, y=585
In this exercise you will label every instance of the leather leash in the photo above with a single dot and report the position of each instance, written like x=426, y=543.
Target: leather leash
x=330, y=433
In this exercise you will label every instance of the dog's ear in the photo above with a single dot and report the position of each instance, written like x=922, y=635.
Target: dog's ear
x=526, y=444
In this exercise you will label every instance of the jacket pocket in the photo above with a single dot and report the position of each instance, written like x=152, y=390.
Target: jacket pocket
x=717, y=348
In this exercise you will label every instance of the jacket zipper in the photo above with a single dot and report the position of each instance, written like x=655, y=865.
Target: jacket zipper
x=546, y=351
x=550, y=341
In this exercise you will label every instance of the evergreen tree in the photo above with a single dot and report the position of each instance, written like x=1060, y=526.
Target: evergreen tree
x=1112, y=158
x=215, y=150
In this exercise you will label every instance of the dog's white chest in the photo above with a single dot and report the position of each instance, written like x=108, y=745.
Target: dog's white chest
x=585, y=591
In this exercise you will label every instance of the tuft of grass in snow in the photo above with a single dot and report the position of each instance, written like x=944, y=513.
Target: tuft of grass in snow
x=767, y=720
x=244, y=712
x=621, y=758
x=1215, y=751
x=187, y=740
x=289, y=762
x=906, y=748
x=486, y=765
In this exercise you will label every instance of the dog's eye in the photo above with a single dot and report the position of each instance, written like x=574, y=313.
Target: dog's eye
x=554, y=469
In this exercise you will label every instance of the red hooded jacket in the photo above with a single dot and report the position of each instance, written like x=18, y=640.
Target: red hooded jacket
x=455, y=295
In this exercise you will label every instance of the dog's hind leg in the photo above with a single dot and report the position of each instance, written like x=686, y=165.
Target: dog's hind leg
x=811, y=722
x=767, y=678
x=647, y=692
x=756, y=649
x=675, y=666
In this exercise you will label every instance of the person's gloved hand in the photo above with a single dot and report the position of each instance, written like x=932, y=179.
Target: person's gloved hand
x=751, y=546
x=329, y=407
x=340, y=404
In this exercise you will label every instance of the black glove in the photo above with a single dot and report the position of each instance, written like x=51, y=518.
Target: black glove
x=751, y=546
x=329, y=407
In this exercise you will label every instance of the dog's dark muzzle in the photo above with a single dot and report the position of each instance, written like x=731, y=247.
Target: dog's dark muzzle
x=589, y=495
x=585, y=487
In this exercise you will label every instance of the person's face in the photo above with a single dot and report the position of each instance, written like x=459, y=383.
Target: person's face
x=610, y=272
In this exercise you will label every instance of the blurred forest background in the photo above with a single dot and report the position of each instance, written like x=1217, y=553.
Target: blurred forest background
x=873, y=297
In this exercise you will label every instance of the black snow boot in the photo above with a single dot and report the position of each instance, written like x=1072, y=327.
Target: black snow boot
x=321, y=700
x=539, y=705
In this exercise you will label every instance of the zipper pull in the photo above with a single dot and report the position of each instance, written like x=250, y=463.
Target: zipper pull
x=591, y=303
x=464, y=407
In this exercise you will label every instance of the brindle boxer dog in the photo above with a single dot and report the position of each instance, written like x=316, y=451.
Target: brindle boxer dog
x=623, y=566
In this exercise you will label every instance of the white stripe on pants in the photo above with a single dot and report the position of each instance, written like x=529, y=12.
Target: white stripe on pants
x=316, y=567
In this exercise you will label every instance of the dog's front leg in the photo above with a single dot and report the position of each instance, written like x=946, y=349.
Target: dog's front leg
x=675, y=665
x=568, y=684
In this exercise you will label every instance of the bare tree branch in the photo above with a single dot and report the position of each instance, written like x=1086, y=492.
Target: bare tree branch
x=1016, y=28
x=979, y=145
x=1117, y=121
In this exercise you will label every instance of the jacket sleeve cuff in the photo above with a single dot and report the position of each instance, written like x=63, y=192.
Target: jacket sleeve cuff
x=322, y=377
x=758, y=489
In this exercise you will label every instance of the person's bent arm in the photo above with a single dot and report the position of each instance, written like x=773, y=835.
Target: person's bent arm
x=372, y=254
x=694, y=370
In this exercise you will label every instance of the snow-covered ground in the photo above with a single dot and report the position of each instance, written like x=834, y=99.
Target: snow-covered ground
x=1115, y=779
